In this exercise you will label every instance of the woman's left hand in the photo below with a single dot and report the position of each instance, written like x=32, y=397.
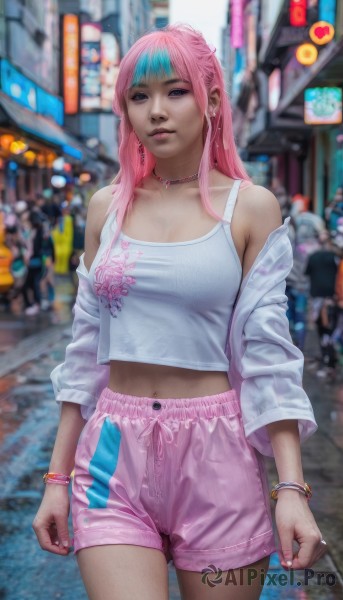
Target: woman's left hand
x=295, y=521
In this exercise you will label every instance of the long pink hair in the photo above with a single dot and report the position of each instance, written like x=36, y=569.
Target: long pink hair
x=192, y=60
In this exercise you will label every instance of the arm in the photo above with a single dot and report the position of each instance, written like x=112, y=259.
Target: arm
x=294, y=519
x=51, y=521
x=76, y=383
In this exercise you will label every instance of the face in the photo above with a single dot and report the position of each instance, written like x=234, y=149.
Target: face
x=166, y=104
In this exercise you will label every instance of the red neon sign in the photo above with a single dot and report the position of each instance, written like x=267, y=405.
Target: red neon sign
x=297, y=13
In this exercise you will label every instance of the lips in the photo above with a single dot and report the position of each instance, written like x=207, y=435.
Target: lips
x=156, y=131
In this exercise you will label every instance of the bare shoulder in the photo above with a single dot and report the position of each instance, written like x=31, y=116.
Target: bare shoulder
x=96, y=217
x=259, y=210
x=98, y=206
x=258, y=214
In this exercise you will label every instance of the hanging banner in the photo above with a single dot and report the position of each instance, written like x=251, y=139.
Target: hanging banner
x=297, y=13
x=90, y=66
x=251, y=35
x=110, y=59
x=237, y=23
x=327, y=11
x=274, y=87
x=71, y=64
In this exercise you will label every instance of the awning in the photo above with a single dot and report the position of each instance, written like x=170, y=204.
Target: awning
x=326, y=70
x=38, y=126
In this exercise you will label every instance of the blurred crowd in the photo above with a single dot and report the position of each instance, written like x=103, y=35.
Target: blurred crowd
x=39, y=238
x=315, y=284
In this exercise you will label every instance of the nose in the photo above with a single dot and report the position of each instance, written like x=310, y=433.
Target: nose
x=157, y=111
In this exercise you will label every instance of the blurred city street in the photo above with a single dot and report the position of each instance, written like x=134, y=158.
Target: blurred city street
x=30, y=348
x=66, y=132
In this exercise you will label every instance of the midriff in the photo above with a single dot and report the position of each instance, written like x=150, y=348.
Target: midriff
x=161, y=381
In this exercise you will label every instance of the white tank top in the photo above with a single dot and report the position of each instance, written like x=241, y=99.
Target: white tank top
x=167, y=303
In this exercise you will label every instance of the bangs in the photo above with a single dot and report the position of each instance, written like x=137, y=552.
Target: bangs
x=154, y=64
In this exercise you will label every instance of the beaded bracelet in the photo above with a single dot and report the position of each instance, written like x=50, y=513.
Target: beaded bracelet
x=292, y=485
x=56, y=478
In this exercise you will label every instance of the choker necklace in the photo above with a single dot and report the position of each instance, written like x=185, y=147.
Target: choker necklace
x=168, y=182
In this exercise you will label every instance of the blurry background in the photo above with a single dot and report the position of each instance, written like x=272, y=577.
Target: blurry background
x=283, y=67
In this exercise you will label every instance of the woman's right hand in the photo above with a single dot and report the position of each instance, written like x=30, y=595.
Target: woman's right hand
x=51, y=521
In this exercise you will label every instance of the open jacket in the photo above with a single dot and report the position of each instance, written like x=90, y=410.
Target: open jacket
x=265, y=366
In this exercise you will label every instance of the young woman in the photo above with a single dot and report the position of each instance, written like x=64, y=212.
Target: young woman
x=180, y=327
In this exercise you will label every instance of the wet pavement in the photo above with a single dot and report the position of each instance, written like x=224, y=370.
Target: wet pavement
x=30, y=348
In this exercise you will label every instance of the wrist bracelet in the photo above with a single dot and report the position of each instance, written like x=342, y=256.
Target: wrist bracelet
x=291, y=485
x=58, y=478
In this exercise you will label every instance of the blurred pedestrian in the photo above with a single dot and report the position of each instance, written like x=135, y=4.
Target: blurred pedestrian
x=31, y=288
x=47, y=283
x=79, y=226
x=297, y=291
x=334, y=211
x=62, y=235
x=169, y=462
x=322, y=270
x=308, y=225
x=50, y=206
x=15, y=243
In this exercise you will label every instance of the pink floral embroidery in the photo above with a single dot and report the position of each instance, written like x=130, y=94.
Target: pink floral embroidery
x=112, y=281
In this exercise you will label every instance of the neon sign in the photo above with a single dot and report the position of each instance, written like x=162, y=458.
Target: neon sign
x=327, y=11
x=297, y=13
x=306, y=54
x=322, y=33
x=323, y=106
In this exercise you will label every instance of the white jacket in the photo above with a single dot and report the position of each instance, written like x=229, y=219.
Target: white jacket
x=265, y=366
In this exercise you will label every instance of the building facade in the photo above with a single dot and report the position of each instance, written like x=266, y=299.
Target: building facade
x=106, y=29
x=58, y=65
x=286, y=84
x=160, y=13
x=31, y=109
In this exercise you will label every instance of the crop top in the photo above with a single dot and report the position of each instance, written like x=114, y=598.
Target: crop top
x=167, y=303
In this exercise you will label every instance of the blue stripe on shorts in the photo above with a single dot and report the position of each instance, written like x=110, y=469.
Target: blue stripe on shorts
x=103, y=464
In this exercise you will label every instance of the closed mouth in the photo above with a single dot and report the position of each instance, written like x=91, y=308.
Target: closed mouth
x=157, y=131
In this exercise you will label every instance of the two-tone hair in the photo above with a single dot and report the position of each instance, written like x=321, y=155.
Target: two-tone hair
x=181, y=50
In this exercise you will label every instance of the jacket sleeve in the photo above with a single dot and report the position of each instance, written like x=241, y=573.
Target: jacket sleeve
x=79, y=378
x=271, y=372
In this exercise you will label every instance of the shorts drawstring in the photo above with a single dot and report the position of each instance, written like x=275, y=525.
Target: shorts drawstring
x=148, y=431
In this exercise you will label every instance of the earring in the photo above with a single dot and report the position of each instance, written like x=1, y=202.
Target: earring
x=141, y=152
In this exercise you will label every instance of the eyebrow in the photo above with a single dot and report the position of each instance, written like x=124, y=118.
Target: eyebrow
x=168, y=82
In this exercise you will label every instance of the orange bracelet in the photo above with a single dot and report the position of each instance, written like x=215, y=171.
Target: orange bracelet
x=58, y=478
x=291, y=485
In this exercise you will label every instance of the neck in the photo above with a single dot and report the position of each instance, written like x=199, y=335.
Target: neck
x=183, y=165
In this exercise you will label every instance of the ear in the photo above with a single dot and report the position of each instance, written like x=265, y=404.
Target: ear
x=213, y=101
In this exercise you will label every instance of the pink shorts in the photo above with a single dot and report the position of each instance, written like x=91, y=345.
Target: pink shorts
x=176, y=474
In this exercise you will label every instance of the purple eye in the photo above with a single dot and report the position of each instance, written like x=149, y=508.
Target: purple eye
x=179, y=92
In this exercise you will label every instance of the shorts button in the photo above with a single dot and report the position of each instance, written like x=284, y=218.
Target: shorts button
x=157, y=405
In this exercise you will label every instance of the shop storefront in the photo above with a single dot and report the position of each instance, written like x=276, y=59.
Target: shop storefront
x=31, y=136
x=298, y=117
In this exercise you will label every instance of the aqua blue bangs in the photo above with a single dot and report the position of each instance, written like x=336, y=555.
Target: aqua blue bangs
x=152, y=65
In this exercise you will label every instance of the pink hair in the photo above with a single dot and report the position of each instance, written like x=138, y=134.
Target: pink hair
x=193, y=60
